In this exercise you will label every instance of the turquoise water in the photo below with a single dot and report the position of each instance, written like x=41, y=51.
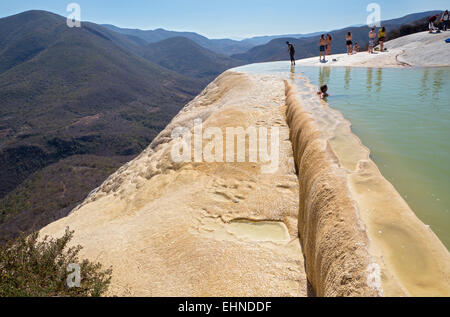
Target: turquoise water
x=403, y=117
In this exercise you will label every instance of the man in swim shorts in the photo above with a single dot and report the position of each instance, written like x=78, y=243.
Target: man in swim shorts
x=323, y=47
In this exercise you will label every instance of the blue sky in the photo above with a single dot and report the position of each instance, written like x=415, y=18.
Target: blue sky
x=228, y=18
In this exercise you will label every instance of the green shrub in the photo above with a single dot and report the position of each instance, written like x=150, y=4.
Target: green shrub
x=30, y=267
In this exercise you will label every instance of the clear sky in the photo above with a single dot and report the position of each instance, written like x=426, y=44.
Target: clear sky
x=228, y=18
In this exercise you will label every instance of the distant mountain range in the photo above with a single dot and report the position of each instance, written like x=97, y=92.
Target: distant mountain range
x=261, y=40
x=221, y=46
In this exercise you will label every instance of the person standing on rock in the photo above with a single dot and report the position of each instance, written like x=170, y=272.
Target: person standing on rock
x=382, y=37
x=349, y=43
x=323, y=48
x=329, y=40
x=372, y=37
x=445, y=19
x=291, y=49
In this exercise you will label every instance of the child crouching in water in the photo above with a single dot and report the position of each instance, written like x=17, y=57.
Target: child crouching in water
x=323, y=91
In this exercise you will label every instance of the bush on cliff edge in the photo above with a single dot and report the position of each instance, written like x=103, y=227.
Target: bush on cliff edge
x=39, y=268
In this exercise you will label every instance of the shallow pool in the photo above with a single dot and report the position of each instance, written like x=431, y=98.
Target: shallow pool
x=403, y=117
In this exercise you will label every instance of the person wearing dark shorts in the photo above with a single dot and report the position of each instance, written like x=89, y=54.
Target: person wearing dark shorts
x=382, y=38
x=349, y=43
x=291, y=52
x=323, y=48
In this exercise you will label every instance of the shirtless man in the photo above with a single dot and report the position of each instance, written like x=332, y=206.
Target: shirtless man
x=323, y=47
x=372, y=37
